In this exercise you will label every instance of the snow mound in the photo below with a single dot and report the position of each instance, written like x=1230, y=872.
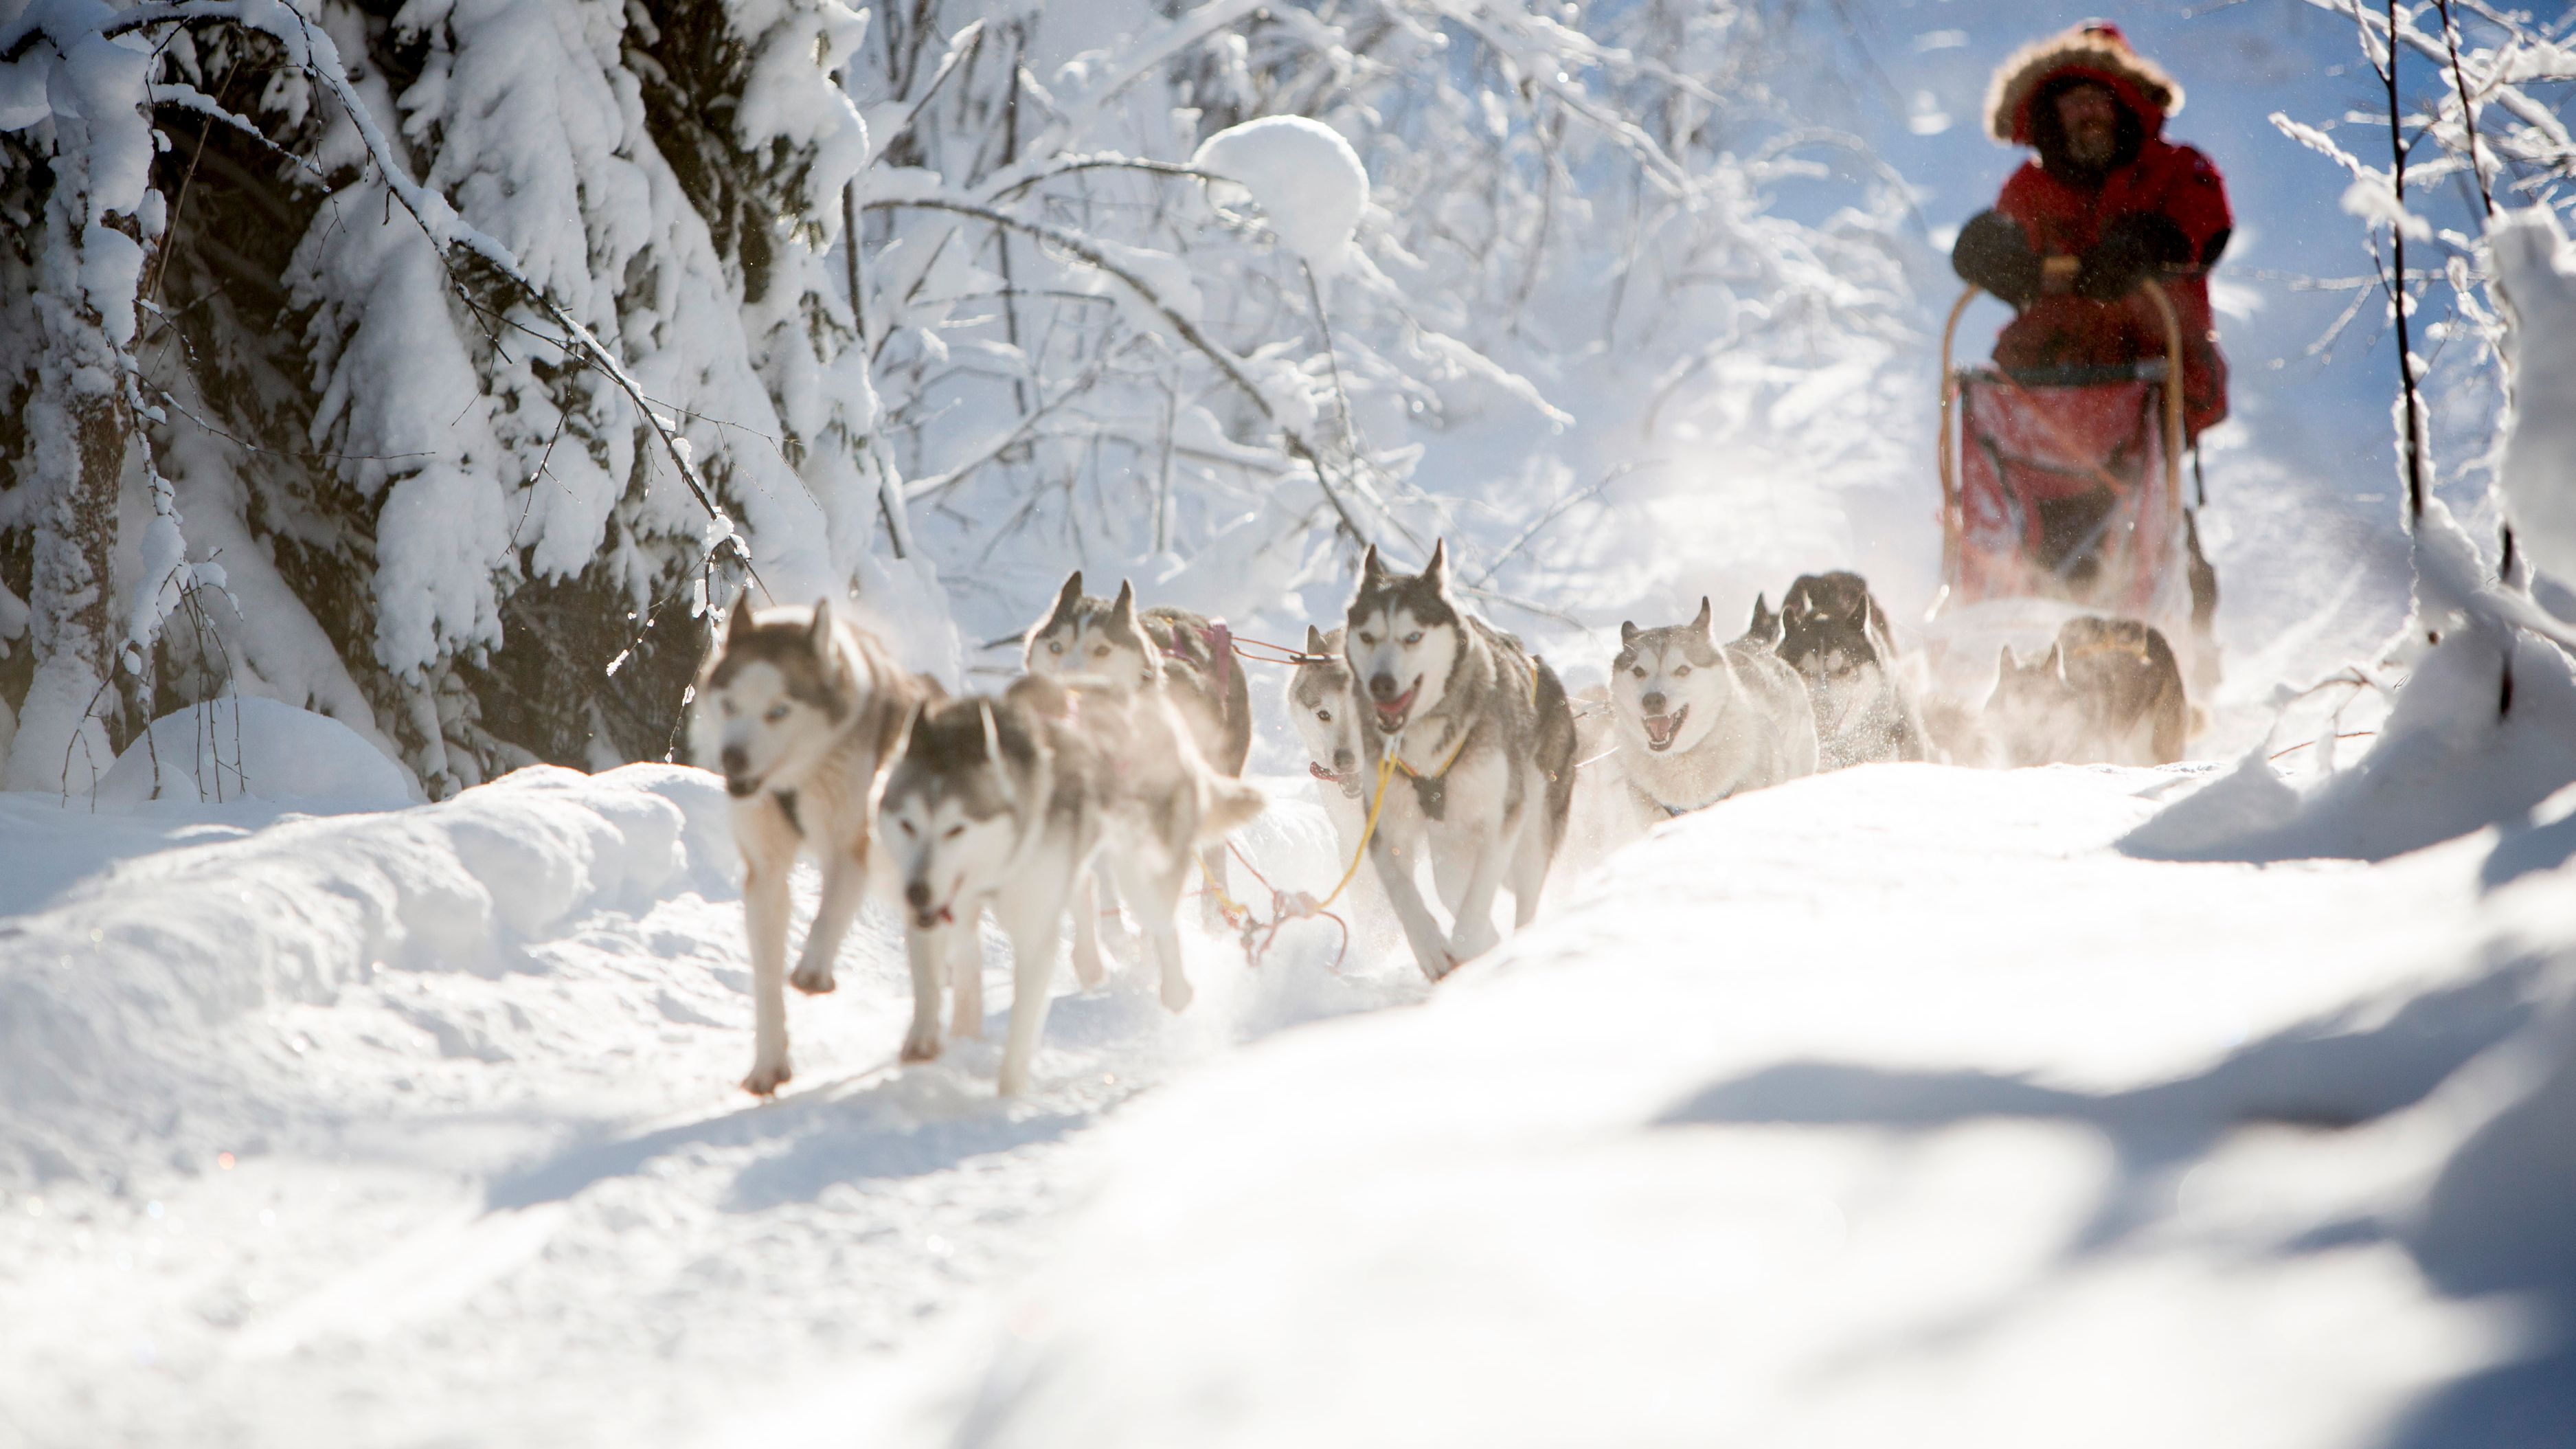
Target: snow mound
x=135, y=987
x=2536, y=269
x=1305, y=178
x=259, y=749
x=2445, y=763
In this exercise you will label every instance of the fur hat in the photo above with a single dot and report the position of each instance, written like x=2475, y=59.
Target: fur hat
x=2094, y=50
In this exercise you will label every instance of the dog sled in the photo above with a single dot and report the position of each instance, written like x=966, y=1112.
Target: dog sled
x=2061, y=494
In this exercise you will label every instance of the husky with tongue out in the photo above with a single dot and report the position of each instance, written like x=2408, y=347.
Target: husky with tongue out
x=1700, y=721
x=1481, y=745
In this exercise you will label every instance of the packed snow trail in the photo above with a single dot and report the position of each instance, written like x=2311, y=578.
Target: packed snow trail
x=1898, y=1105
x=1896, y=1097
x=422, y=1127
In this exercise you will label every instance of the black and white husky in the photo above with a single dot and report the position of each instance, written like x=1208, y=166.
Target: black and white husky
x=1700, y=721
x=1480, y=730
x=803, y=712
x=1833, y=632
x=1008, y=802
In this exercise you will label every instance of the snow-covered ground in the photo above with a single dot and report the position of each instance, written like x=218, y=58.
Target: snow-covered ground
x=421, y=1126
x=1892, y=1106
x=1900, y=1097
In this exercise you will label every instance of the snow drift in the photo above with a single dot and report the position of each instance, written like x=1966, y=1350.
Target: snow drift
x=1982, y=1136
x=132, y=989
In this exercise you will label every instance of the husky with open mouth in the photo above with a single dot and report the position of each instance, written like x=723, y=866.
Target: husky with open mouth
x=804, y=712
x=1479, y=729
x=1008, y=801
x=1700, y=721
x=1834, y=633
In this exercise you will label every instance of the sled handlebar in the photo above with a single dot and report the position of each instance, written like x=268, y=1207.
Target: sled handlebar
x=1952, y=524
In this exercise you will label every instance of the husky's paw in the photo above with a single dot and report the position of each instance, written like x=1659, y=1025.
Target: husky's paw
x=1437, y=966
x=921, y=1046
x=767, y=1077
x=812, y=979
x=1177, y=994
x=1014, y=1080
x=1087, y=970
x=1469, y=944
x=966, y=1025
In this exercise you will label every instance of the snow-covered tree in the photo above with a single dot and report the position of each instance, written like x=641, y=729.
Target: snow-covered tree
x=437, y=365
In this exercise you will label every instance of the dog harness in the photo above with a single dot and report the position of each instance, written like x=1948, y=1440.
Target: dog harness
x=1220, y=647
x=1428, y=790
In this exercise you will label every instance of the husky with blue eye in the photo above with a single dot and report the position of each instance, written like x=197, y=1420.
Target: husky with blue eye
x=1007, y=802
x=803, y=712
x=1481, y=734
x=1701, y=721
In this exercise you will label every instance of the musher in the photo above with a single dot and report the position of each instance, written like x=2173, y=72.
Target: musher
x=2109, y=201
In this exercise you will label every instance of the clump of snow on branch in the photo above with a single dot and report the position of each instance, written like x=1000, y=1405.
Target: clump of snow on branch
x=1306, y=179
x=2536, y=271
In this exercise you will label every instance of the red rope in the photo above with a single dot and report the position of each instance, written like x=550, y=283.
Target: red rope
x=1257, y=936
x=1280, y=653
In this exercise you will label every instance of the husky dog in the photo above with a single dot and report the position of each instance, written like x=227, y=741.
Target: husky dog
x=2107, y=692
x=1326, y=715
x=804, y=712
x=1700, y=721
x=1005, y=802
x=1763, y=630
x=1833, y=632
x=1190, y=655
x=1480, y=729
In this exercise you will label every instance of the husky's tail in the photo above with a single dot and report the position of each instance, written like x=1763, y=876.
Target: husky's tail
x=1227, y=805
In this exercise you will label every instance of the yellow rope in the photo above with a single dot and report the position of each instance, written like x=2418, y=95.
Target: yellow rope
x=1385, y=772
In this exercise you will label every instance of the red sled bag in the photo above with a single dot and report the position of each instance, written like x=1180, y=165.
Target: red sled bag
x=2063, y=491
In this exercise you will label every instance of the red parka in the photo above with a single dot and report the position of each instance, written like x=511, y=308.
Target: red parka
x=2064, y=215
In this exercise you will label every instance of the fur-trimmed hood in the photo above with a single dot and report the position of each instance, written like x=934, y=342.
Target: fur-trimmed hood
x=2095, y=50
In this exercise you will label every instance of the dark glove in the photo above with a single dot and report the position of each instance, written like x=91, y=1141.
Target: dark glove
x=2132, y=246
x=1993, y=253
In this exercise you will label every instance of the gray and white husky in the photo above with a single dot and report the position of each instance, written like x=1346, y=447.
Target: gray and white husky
x=2107, y=692
x=1007, y=802
x=1700, y=721
x=1480, y=729
x=1834, y=634
x=1326, y=717
x=804, y=712
x=1189, y=655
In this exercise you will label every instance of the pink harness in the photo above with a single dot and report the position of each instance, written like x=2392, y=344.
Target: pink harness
x=1220, y=645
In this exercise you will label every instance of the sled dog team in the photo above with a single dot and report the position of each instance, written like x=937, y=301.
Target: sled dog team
x=1119, y=751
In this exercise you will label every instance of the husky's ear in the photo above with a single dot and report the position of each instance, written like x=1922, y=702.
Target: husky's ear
x=2008, y=662
x=1123, y=608
x=2055, y=664
x=1372, y=568
x=818, y=635
x=1066, y=600
x=1701, y=623
x=1436, y=572
x=1627, y=633
x=1314, y=640
x=738, y=626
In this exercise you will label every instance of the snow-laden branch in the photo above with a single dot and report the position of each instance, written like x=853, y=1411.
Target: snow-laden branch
x=1090, y=253
x=313, y=52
